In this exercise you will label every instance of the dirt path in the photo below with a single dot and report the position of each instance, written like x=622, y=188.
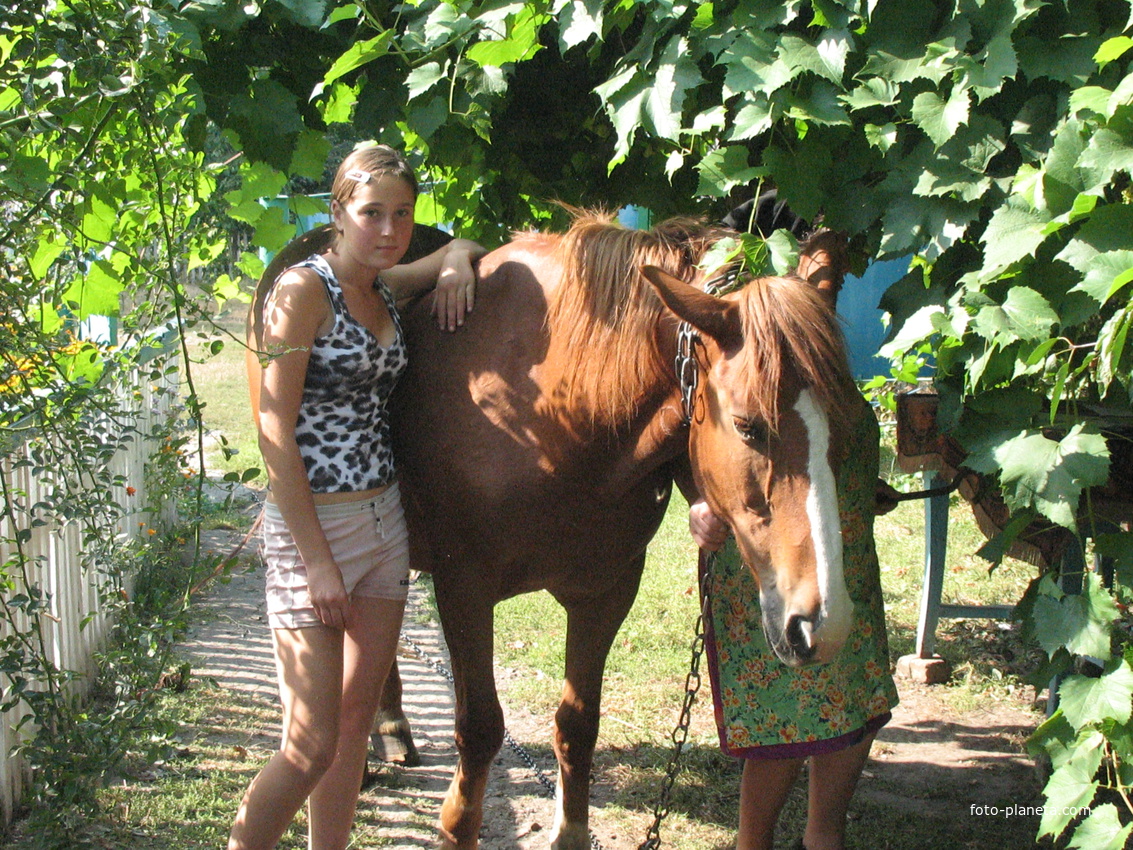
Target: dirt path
x=930, y=763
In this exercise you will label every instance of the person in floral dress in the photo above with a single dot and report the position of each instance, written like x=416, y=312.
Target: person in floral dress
x=775, y=717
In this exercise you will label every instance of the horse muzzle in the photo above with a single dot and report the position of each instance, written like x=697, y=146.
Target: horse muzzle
x=800, y=638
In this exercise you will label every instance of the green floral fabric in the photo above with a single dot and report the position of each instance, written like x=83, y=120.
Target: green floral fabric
x=763, y=707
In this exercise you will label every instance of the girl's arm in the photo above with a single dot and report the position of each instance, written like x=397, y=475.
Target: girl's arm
x=293, y=314
x=451, y=270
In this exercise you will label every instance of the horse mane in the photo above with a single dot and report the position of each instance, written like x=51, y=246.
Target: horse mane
x=607, y=312
x=797, y=331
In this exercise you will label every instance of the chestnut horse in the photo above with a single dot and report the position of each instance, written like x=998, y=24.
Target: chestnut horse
x=538, y=446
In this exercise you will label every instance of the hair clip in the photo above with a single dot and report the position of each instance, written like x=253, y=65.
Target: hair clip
x=358, y=175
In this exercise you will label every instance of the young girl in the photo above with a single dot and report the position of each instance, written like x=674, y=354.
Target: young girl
x=334, y=533
x=772, y=716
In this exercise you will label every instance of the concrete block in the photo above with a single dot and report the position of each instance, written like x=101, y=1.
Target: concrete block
x=927, y=671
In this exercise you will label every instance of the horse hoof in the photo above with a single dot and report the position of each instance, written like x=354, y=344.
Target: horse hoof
x=448, y=843
x=393, y=743
x=572, y=837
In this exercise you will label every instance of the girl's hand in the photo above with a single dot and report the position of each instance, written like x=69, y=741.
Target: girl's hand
x=456, y=286
x=328, y=595
x=708, y=530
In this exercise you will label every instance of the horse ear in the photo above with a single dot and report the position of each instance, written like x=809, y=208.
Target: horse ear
x=712, y=316
x=823, y=262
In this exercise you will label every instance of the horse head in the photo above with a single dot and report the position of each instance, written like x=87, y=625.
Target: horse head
x=769, y=419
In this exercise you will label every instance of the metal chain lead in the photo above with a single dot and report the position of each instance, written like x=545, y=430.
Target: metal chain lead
x=688, y=370
x=679, y=735
x=685, y=363
x=688, y=376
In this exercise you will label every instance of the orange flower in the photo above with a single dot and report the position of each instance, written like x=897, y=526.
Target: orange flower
x=130, y=491
x=738, y=737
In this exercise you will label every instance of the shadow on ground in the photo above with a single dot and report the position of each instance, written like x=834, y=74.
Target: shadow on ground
x=931, y=770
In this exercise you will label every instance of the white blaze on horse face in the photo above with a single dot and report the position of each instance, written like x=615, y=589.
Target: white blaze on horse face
x=825, y=530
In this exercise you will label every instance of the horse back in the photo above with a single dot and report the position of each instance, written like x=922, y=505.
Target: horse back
x=491, y=471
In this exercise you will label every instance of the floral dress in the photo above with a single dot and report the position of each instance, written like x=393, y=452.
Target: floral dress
x=765, y=709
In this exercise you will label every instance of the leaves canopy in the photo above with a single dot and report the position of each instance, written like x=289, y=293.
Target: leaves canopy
x=992, y=139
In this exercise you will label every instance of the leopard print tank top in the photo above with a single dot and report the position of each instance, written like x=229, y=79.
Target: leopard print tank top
x=343, y=429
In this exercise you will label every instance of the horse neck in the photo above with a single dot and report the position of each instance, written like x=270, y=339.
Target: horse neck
x=647, y=435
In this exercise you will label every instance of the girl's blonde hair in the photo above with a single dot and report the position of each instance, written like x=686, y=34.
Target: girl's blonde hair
x=374, y=160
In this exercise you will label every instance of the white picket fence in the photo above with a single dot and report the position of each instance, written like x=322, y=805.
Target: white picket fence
x=53, y=554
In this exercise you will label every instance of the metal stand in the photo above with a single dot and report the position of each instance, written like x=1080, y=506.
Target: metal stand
x=936, y=548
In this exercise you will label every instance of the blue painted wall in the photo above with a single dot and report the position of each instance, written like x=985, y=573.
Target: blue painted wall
x=862, y=319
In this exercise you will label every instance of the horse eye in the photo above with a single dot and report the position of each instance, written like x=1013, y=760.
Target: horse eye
x=751, y=430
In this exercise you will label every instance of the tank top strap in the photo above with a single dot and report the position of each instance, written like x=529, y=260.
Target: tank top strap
x=322, y=268
x=391, y=305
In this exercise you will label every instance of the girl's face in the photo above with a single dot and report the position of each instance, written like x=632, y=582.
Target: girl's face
x=376, y=223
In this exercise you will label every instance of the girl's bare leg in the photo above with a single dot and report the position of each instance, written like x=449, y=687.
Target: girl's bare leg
x=309, y=665
x=763, y=791
x=833, y=778
x=368, y=650
x=831, y=783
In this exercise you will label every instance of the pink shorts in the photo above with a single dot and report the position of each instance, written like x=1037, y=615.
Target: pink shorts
x=369, y=543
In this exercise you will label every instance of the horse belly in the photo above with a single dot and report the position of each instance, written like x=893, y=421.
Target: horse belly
x=530, y=530
x=481, y=502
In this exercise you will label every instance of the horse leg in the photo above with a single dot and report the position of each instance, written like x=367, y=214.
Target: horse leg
x=392, y=739
x=479, y=727
x=591, y=627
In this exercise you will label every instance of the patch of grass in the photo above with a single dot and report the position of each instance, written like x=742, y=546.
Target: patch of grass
x=224, y=741
x=221, y=382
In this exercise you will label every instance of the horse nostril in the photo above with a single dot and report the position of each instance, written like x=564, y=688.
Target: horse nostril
x=800, y=636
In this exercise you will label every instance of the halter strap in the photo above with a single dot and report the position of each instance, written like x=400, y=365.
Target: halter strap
x=685, y=363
